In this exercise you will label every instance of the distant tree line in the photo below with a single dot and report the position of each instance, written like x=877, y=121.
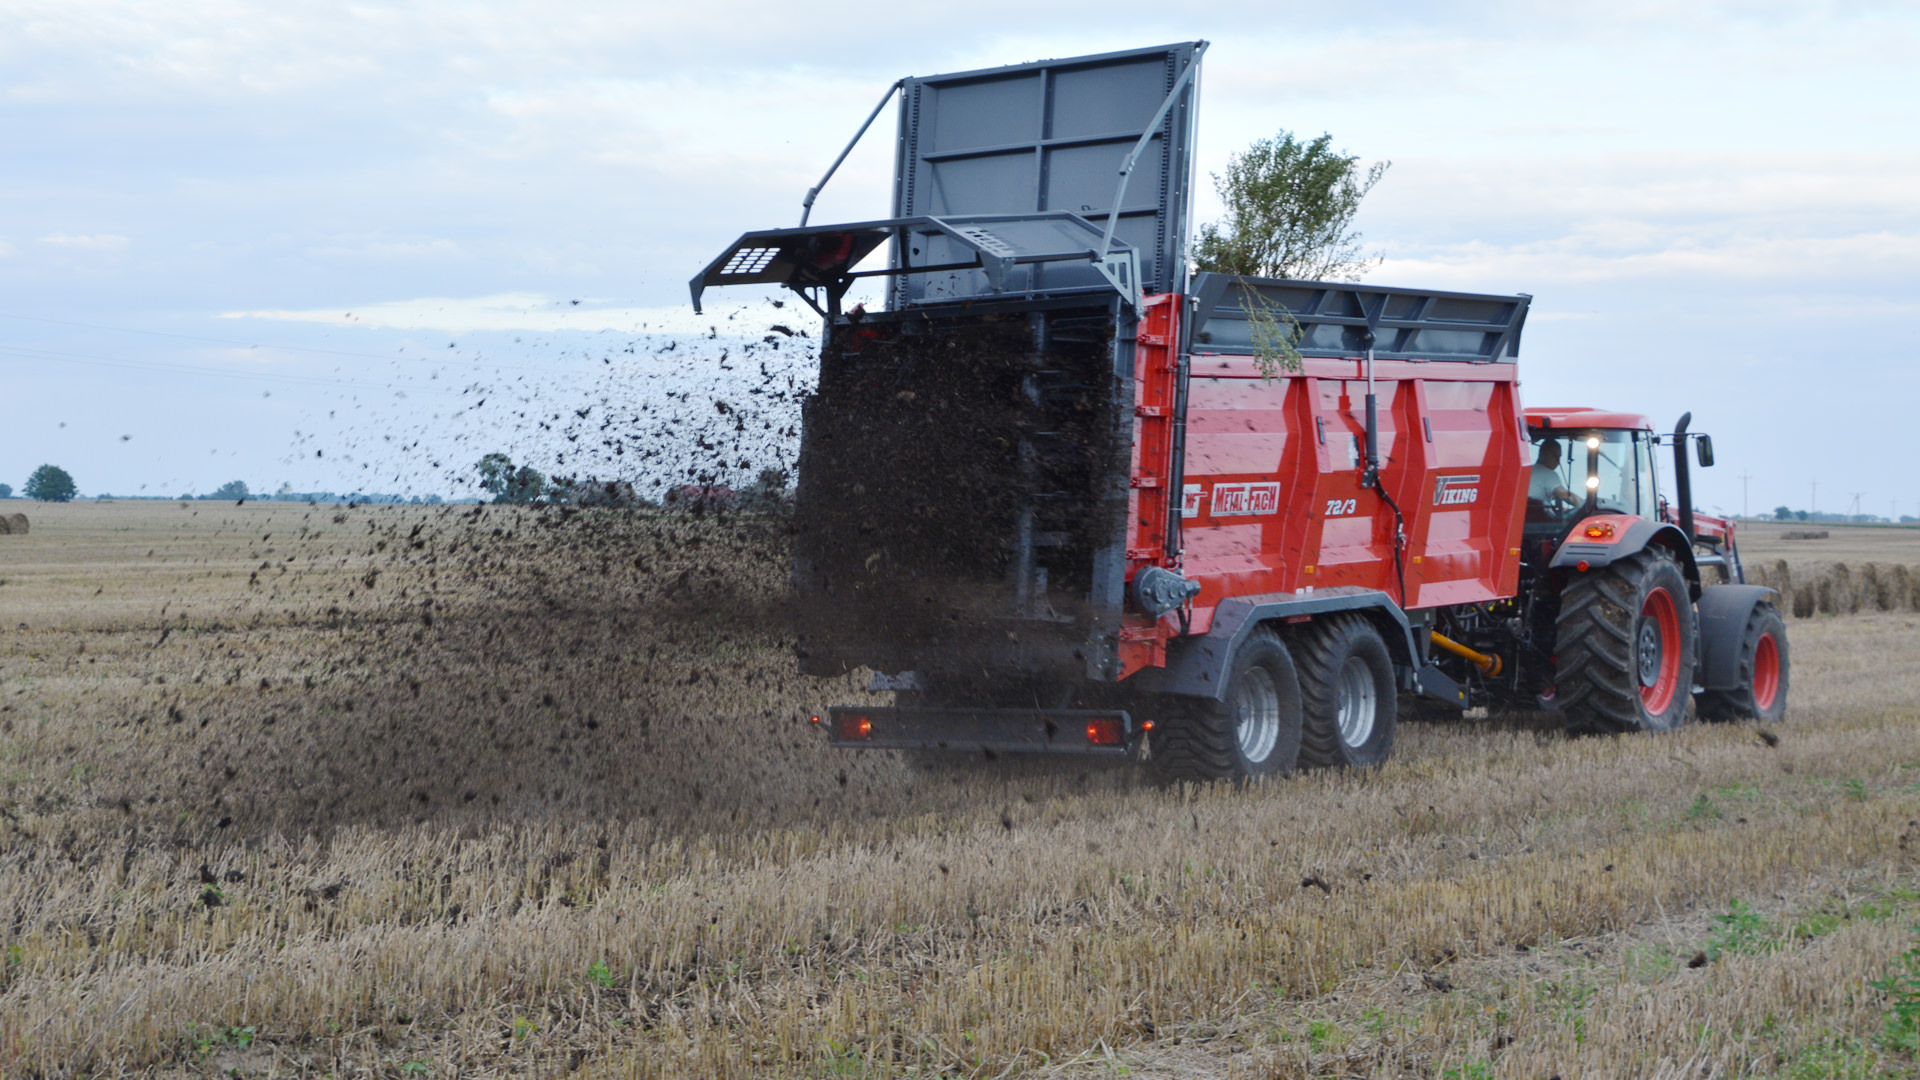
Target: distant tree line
x=1783, y=513
x=524, y=485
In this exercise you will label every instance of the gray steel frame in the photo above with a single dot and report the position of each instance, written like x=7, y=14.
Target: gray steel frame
x=1197, y=666
x=1334, y=318
x=1030, y=137
x=823, y=256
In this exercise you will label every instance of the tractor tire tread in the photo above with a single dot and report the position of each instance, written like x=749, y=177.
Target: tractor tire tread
x=1732, y=705
x=1595, y=681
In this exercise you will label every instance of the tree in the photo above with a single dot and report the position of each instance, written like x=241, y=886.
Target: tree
x=51, y=483
x=235, y=490
x=1289, y=208
x=6, y=491
x=1781, y=513
x=507, y=484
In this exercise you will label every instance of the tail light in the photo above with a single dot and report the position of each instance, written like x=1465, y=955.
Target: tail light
x=853, y=727
x=1104, y=732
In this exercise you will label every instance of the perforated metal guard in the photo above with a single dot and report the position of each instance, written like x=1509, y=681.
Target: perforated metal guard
x=1333, y=318
x=750, y=260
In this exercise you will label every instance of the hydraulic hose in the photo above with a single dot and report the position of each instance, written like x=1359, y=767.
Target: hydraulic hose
x=1488, y=665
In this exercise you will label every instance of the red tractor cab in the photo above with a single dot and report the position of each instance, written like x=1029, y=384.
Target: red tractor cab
x=1631, y=602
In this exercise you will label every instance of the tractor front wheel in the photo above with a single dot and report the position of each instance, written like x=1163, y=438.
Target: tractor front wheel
x=1762, y=690
x=1252, y=733
x=1625, y=646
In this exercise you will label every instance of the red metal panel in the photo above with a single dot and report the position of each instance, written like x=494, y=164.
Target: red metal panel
x=1143, y=641
x=1273, y=477
x=1579, y=416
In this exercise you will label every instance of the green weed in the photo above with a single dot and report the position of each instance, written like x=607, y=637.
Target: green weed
x=1900, y=1031
x=1740, y=930
x=237, y=1037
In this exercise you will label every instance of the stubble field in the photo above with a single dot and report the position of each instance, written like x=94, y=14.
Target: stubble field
x=291, y=790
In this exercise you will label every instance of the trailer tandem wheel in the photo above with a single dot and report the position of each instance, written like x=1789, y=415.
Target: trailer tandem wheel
x=1625, y=646
x=1346, y=684
x=1254, y=732
x=1763, y=671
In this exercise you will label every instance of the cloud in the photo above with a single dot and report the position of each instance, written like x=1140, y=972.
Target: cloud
x=99, y=242
x=392, y=249
x=515, y=311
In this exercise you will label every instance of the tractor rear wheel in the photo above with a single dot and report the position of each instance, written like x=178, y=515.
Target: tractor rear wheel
x=1346, y=684
x=1763, y=670
x=1253, y=733
x=1625, y=646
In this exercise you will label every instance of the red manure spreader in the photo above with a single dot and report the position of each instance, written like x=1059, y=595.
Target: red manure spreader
x=1062, y=496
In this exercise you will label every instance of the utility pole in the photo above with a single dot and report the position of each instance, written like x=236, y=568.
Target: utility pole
x=1814, y=499
x=1854, y=510
x=1743, y=495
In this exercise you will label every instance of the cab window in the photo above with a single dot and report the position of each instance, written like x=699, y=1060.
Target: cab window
x=1619, y=472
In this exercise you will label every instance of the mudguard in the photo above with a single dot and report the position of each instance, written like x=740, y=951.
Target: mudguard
x=1620, y=536
x=1724, y=610
x=1196, y=666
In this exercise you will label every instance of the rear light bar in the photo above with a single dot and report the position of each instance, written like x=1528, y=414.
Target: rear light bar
x=1061, y=731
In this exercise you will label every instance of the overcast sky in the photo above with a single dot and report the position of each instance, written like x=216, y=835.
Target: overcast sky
x=298, y=242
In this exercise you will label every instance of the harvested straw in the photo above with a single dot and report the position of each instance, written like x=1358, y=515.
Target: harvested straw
x=1839, y=589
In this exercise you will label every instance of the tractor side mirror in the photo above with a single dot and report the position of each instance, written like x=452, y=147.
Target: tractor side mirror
x=1703, y=449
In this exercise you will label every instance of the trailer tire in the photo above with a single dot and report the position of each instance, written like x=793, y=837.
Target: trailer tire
x=1346, y=684
x=1625, y=646
x=1763, y=672
x=1251, y=734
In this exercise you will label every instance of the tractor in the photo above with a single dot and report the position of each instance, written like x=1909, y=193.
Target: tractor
x=1630, y=604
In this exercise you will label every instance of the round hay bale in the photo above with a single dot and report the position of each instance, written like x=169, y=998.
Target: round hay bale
x=1899, y=588
x=1867, y=589
x=17, y=524
x=5, y=528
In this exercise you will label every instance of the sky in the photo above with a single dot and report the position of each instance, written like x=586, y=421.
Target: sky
x=299, y=243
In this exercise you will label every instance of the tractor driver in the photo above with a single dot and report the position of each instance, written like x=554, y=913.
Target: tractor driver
x=1544, y=486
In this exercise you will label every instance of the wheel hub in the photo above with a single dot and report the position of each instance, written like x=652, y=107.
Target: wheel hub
x=1357, y=702
x=1648, y=660
x=1256, y=706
